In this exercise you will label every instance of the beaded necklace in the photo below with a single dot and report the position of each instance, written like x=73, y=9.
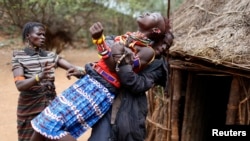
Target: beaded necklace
x=130, y=39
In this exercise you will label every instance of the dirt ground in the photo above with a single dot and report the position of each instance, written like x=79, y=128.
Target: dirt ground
x=9, y=93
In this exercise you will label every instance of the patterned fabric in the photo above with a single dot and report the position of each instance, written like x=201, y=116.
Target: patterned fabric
x=27, y=63
x=24, y=128
x=130, y=40
x=29, y=105
x=102, y=67
x=77, y=109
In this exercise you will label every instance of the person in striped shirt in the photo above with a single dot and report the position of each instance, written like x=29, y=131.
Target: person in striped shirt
x=33, y=70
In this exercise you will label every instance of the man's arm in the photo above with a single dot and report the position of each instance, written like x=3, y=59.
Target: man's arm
x=137, y=83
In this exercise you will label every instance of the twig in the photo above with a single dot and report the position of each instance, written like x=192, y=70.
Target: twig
x=203, y=9
x=224, y=13
x=158, y=125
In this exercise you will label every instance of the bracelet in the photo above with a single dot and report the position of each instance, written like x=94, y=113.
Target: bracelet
x=98, y=41
x=37, y=78
x=81, y=70
x=119, y=61
x=105, y=54
x=103, y=50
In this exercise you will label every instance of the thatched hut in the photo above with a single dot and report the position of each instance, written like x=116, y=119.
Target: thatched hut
x=209, y=72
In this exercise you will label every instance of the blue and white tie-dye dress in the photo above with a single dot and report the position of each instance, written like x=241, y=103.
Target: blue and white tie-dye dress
x=75, y=110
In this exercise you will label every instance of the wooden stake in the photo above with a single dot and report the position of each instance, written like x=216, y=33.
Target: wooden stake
x=233, y=102
x=175, y=104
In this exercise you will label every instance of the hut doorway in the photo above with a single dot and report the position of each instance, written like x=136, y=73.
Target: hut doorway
x=205, y=105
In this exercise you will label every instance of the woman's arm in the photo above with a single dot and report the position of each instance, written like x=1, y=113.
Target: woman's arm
x=64, y=64
x=23, y=83
x=71, y=69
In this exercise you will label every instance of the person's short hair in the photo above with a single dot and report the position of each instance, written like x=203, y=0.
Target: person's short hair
x=28, y=27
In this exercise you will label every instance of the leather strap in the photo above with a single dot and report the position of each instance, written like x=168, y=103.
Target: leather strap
x=106, y=75
x=115, y=108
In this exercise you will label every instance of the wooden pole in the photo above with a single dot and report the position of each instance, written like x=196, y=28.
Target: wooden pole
x=233, y=102
x=175, y=104
x=195, y=113
x=186, y=134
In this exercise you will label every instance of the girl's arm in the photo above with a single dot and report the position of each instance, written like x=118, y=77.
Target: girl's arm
x=98, y=39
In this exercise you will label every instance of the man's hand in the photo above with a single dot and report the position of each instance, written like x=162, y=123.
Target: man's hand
x=129, y=56
x=118, y=49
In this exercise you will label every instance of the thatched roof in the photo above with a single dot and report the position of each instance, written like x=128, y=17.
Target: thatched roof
x=214, y=30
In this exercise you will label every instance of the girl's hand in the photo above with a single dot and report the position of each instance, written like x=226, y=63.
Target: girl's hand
x=96, y=30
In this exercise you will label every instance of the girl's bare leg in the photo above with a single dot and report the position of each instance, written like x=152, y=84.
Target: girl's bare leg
x=37, y=137
x=67, y=138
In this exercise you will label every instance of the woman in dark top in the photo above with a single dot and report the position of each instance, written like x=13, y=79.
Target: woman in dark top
x=33, y=69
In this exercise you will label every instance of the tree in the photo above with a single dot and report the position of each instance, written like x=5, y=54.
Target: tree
x=63, y=18
x=68, y=20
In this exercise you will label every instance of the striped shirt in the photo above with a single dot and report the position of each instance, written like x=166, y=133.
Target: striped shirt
x=28, y=63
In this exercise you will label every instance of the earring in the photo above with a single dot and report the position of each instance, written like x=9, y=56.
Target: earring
x=28, y=42
x=30, y=46
x=156, y=30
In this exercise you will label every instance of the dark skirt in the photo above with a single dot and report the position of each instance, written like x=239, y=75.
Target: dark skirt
x=77, y=109
x=24, y=128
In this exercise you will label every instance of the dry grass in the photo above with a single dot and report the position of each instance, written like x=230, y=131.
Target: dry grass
x=217, y=30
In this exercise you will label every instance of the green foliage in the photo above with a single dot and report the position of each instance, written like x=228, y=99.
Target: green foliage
x=63, y=18
x=135, y=7
x=140, y=6
x=69, y=20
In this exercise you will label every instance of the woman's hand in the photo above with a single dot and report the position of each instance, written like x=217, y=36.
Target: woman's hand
x=75, y=71
x=47, y=71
